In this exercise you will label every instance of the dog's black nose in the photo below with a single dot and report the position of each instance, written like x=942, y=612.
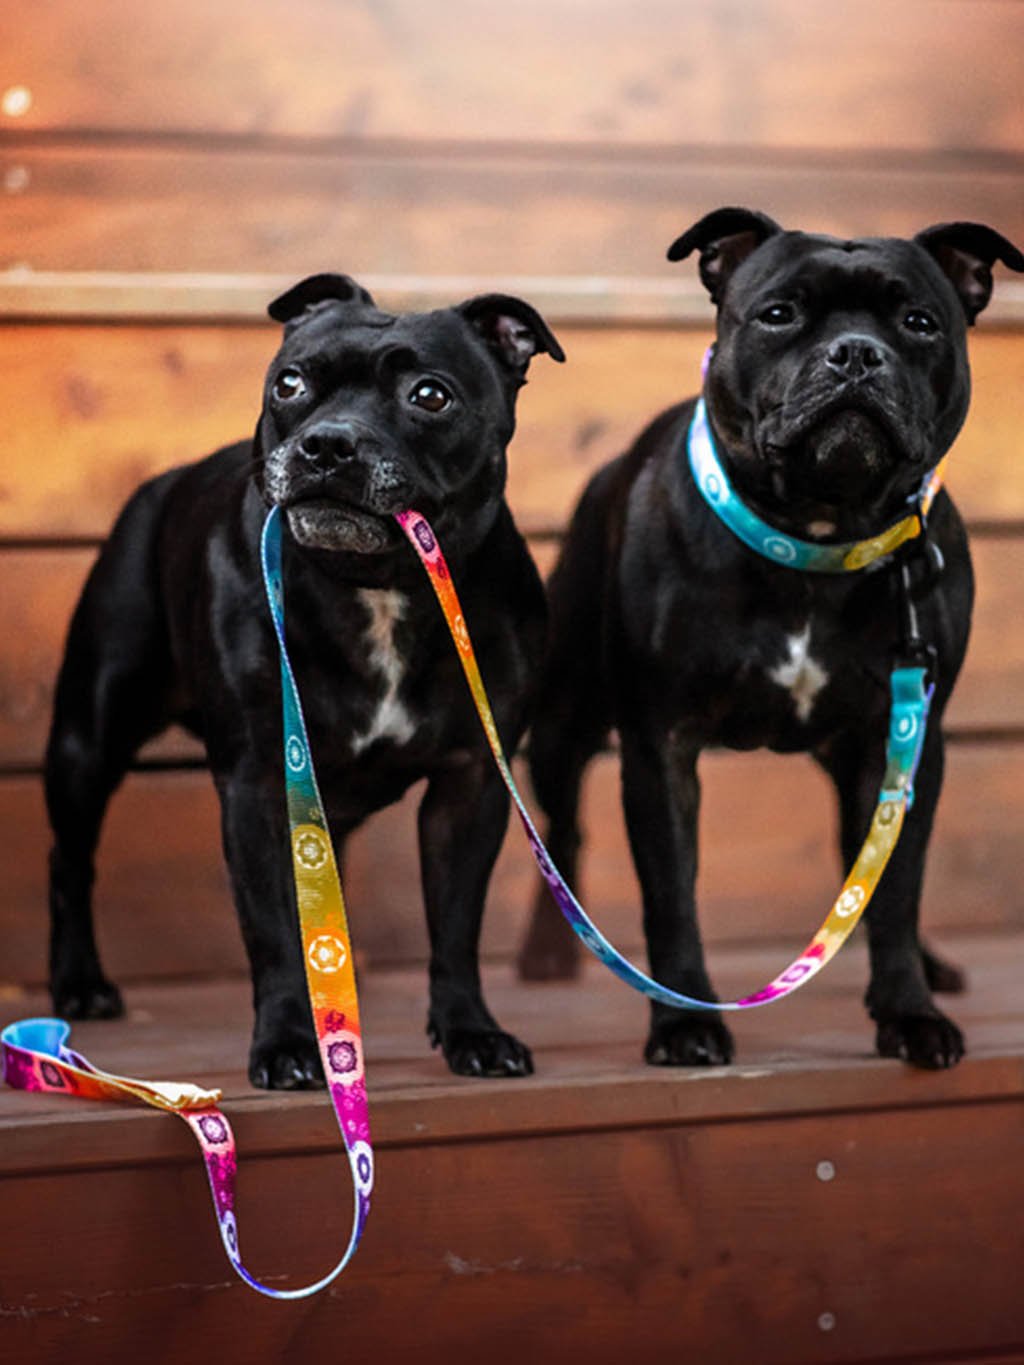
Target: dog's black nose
x=853, y=356
x=329, y=443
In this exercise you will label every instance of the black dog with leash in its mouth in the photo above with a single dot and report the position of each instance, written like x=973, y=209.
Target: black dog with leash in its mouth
x=838, y=380
x=364, y=414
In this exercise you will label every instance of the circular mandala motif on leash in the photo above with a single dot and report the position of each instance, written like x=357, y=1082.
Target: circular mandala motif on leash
x=906, y=727
x=362, y=1166
x=851, y=901
x=310, y=849
x=51, y=1076
x=213, y=1129
x=425, y=536
x=344, y=1059
x=591, y=939
x=295, y=751
x=229, y=1233
x=327, y=954
x=713, y=487
x=780, y=549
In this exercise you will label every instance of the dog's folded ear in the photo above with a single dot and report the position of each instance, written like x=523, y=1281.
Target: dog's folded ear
x=724, y=238
x=513, y=330
x=314, y=290
x=966, y=253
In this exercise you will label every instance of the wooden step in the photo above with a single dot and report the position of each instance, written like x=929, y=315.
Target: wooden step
x=192, y=387
x=768, y=875
x=671, y=73
x=811, y=1203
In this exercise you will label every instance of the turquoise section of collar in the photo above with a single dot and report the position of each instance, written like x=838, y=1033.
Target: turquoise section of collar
x=774, y=544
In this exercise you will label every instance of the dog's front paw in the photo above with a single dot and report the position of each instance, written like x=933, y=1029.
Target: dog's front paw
x=482, y=1052
x=291, y=1065
x=86, y=998
x=927, y=1040
x=689, y=1040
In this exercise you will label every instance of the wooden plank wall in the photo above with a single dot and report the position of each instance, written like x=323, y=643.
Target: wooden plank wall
x=165, y=168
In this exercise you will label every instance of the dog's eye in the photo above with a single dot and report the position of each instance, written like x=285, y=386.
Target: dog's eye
x=917, y=320
x=778, y=314
x=289, y=384
x=431, y=395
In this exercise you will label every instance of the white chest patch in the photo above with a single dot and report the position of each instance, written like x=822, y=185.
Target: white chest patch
x=801, y=676
x=390, y=720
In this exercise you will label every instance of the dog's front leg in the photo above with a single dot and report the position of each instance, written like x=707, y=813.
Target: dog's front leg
x=462, y=821
x=898, y=998
x=661, y=798
x=284, y=1053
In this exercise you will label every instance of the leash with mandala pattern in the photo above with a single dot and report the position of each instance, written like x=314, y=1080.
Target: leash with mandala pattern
x=35, y=1052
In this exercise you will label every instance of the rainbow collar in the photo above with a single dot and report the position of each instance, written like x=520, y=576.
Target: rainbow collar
x=776, y=545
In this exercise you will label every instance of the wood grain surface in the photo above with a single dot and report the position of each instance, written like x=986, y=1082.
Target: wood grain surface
x=770, y=73
x=94, y=409
x=809, y=1204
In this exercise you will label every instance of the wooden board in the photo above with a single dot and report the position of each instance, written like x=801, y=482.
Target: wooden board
x=586, y=1038
x=109, y=405
x=843, y=1201
x=768, y=868
x=550, y=1247
x=668, y=72
x=42, y=586
x=138, y=207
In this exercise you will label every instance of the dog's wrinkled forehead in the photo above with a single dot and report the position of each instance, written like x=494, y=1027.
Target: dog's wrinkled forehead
x=862, y=273
x=332, y=327
x=356, y=340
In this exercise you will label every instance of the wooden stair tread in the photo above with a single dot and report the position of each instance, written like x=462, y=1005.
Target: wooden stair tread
x=811, y=1054
x=810, y=1203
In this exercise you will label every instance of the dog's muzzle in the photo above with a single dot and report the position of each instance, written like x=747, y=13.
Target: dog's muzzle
x=339, y=490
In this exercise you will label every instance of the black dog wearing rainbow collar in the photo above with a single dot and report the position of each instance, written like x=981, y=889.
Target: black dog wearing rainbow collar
x=838, y=381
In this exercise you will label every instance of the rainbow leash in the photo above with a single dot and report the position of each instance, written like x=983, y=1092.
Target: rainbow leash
x=36, y=1055
x=908, y=715
x=35, y=1051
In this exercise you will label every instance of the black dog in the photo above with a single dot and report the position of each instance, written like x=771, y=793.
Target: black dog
x=838, y=380
x=363, y=414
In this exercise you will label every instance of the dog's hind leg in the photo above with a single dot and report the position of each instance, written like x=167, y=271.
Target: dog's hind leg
x=661, y=800
x=111, y=696
x=560, y=750
x=570, y=725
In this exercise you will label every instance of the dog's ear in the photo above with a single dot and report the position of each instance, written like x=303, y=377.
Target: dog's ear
x=724, y=239
x=513, y=330
x=966, y=253
x=314, y=290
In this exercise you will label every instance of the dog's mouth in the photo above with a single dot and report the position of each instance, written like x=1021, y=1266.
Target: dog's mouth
x=323, y=524
x=842, y=457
